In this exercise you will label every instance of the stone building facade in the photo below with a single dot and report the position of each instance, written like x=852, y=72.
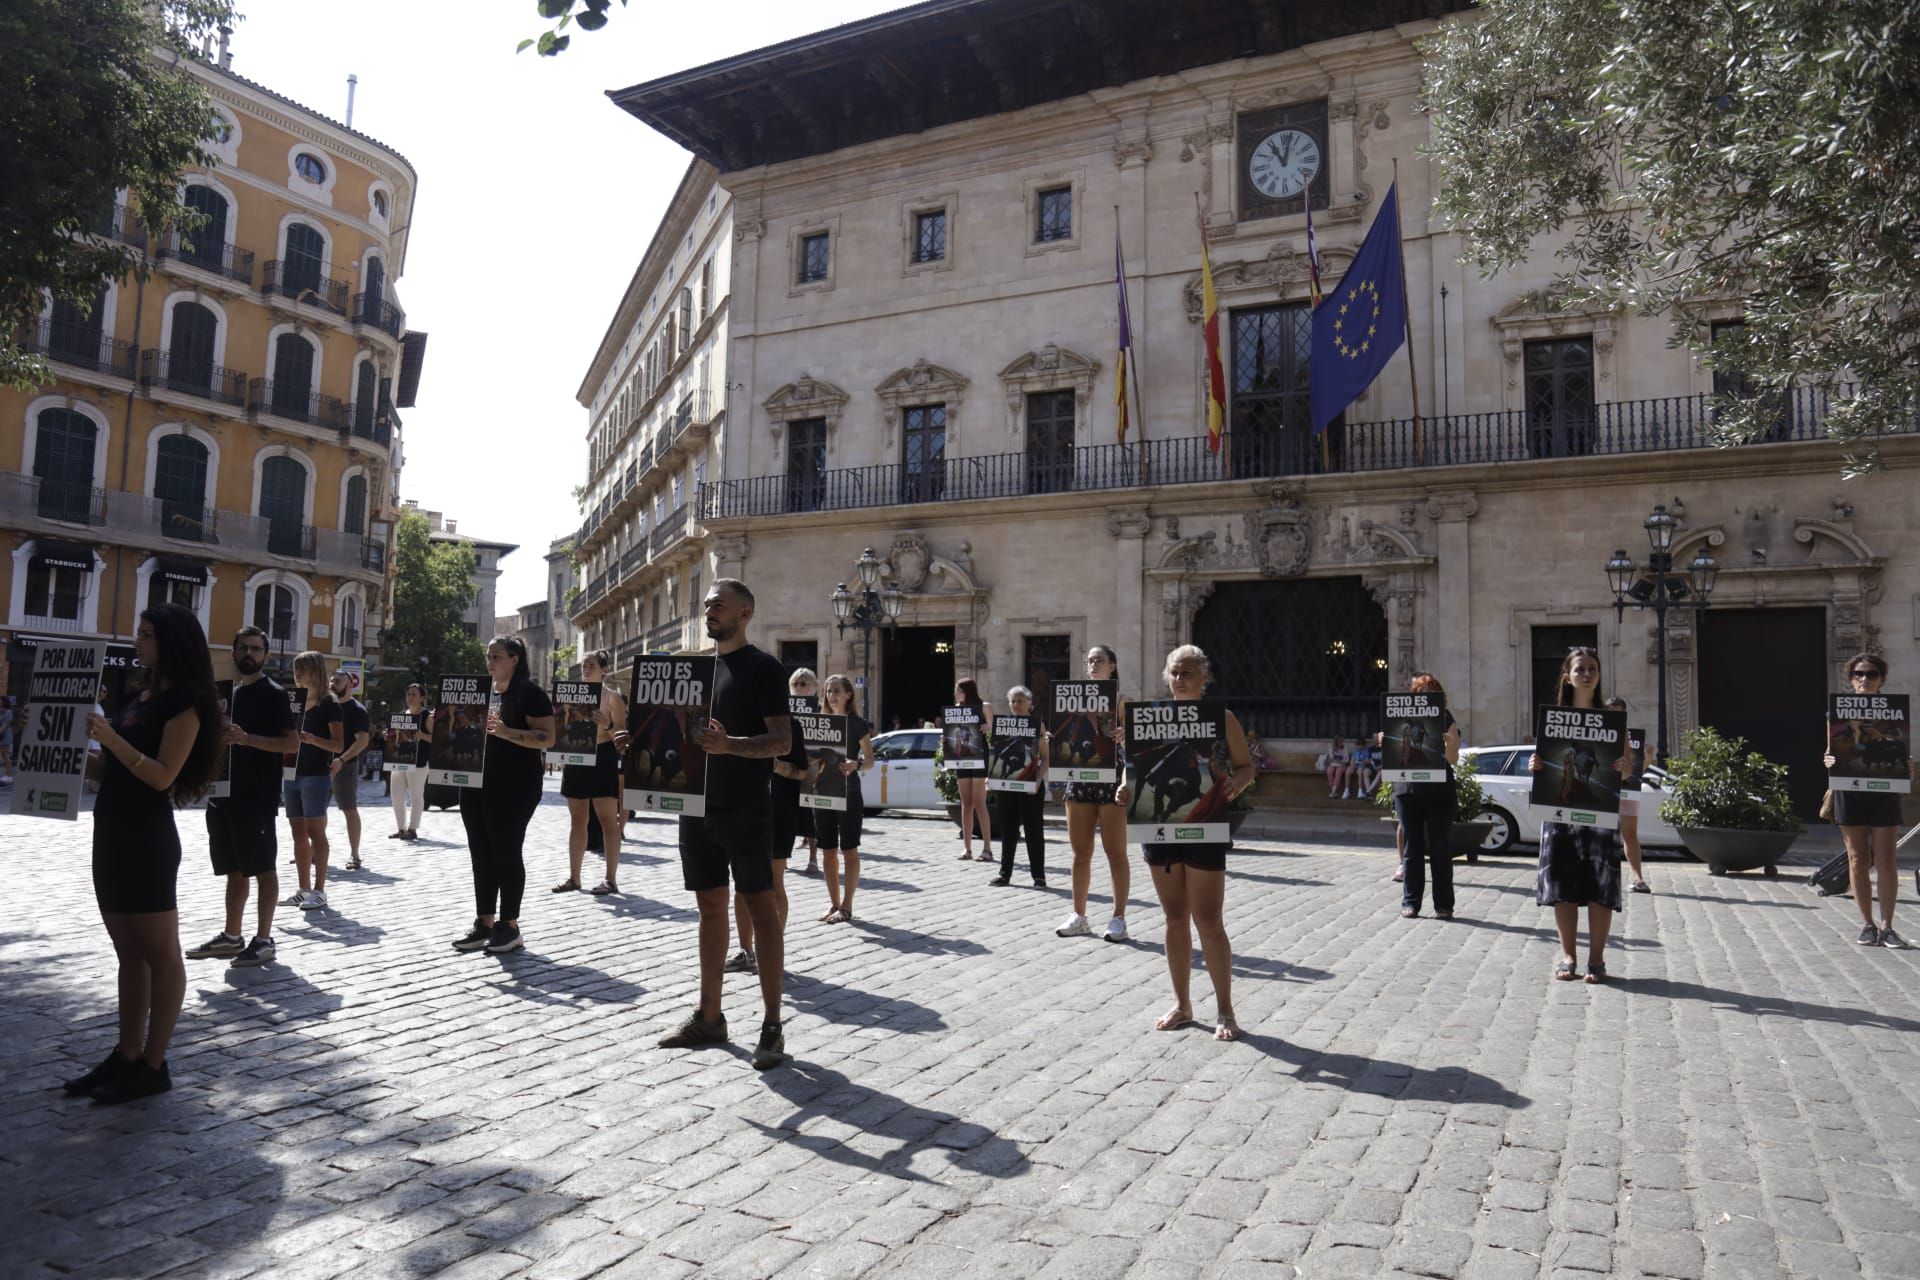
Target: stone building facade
x=923, y=332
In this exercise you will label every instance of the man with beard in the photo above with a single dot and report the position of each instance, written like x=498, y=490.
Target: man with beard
x=240, y=826
x=748, y=728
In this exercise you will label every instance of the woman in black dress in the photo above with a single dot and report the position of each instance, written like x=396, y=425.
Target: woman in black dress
x=1580, y=864
x=496, y=813
x=1869, y=823
x=158, y=753
x=596, y=788
x=839, y=830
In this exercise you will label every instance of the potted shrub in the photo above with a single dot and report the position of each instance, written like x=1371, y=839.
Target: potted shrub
x=1730, y=805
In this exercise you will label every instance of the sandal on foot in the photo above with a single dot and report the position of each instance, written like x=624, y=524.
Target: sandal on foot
x=1596, y=972
x=1566, y=971
x=1227, y=1030
x=1173, y=1020
x=604, y=888
x=836, y=916
x=567, y=886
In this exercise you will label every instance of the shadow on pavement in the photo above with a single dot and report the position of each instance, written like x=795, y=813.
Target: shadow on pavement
x=1736, y=902
x=1797, y=1010
x=273, y=989
x=1254, y=875
x=853, y=1007
x=822, y=1094
x=1384, y=1077
x=532, y=976
x=328, y=924
x=891, y=886
x=913, y=940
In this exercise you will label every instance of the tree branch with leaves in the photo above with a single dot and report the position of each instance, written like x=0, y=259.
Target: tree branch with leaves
x=591, y=17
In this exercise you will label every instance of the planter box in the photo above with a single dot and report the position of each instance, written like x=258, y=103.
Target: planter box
x=1467, y=837
x=1726, y=850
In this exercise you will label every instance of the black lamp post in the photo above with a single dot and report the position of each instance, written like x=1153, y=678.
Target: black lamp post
x=867, y=610
x=1659, y=588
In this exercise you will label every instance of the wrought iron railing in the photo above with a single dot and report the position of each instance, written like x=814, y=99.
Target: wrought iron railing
x=303, y=283
x=668, y=635
x=297, y=402
x=634, y=557
x=365, y=420
x=632, y=648
x=286, y=538
x=227, y=260
x=120, y=224
x=81, y=345
x=670, y=530
x=193, y=377
x=371, y=307
x=67, y=501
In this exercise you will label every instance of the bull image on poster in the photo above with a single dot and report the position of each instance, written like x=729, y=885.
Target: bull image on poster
x=1871, y=740
x=825, y=738
x=1179, y=773
x=965, y=738
x=406, y=730
x=576, y=732
x=1579, y=778
x=1413, y=743
x=1085, y=715
x=667, y=699
x=458, y=750
x=1015, y=763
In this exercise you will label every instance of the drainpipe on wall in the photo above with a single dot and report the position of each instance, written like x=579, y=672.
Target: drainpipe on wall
x=126, y=437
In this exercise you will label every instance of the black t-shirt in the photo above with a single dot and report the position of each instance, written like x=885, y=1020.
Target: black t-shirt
x=857, y=728
x=354, y=721
x=508, y=764
x=316, y=761
x=261, y=709
x=416, y=751
x=749, y=688
x=127, y=805
x=1429, y=789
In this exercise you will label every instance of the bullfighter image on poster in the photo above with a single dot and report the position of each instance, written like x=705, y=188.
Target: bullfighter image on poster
x=965, y=738
x=1179, y=775
x=1871, y=742
x=1579, y=778
x=576, y=734
x=50, y=732
x=667, y=699
x=825, y=738
x=1082, y=727
x=405, y=727
x=1014, y=763
x=297, y=707
x=1413, y=743
x=459, y=744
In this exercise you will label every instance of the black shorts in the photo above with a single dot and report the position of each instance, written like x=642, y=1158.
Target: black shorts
x=1866, y=809
x=242, y=842
x=839, y=828
x=786, y=823
x=723, y=844
x=1201, y=857
x=592, y=781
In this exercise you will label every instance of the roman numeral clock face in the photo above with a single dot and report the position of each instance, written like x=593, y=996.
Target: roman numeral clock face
x=1284, y=163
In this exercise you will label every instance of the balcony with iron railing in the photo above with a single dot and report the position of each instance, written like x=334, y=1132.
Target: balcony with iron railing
x=668, y=637
x=208, y=381
x=670, y=530
x=629, y=649
x=60, y=501
x=372, y=307
x=118, y=223
x=228, y=261
x=633, y=559
x=296, y=402
x=302, y=282
x=689, y=426
x=1520, y=437
x=80, y=345
x=367, y=421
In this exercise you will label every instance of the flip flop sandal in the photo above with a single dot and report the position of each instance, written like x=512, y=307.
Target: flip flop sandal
x=1566, y=971
x=567, y=886
x=604, y=888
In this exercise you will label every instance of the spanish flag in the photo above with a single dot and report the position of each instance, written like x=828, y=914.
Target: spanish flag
x=1210, y=331
x=1126, y=332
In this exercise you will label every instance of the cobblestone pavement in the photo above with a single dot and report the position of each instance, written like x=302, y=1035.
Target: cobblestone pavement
x=970, y=1094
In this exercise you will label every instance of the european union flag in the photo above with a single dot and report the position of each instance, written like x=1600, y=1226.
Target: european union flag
x=1362, y=322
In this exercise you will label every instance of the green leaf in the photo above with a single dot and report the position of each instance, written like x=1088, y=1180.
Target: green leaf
x=522, y=46
x=551, y=9
x=591, y=21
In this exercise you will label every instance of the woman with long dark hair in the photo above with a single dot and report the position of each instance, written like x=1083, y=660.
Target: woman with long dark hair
x=973, y=786
x=597, y=788
x=1091, y=807
x=1580, y=865
x=157, y=754
x=1869, y=823
x=496, y=813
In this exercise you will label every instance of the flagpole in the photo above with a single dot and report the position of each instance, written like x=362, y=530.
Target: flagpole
x=1133, y=365
x=1413, y=377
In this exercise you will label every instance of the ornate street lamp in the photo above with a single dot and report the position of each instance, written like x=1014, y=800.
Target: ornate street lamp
x=1659, y=588
x=867, y=610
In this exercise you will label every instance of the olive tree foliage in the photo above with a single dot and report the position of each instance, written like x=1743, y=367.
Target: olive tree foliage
x=93, y=102
x=1763, y=153
x=551, y=42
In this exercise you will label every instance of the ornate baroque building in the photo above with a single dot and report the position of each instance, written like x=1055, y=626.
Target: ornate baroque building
x=922, y=335
x=223, y=434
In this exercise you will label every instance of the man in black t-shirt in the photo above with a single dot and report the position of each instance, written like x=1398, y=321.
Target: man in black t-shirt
x=346, y=766
x=240, y=826
x=748, y=729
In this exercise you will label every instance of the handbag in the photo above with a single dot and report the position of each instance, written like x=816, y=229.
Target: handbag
x=1826, y=806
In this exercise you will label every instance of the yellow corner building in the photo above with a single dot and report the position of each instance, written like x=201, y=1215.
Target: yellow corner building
x=223, y=434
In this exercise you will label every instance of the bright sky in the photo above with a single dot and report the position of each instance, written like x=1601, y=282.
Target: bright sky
x=537, y=197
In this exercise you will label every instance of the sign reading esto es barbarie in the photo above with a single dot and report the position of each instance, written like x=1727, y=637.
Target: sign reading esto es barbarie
x=50, y=734
x=1179, y=773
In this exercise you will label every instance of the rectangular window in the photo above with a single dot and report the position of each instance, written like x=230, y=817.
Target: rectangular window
x=813, y=257
x=795, y=654
x=686, y=317
x=930, y=236
x=1270, y=351
x=1559, y=397
x=1737, y=386
x=807, y=464
x=54, y=591
x=164, y=590
x=923, y=457
x=706, y=288
x=1550, y=647
x=1054, y=220
x=1049, y=441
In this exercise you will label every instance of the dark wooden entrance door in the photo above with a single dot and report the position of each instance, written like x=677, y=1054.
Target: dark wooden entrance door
x=1763, y=678
x=916, y=670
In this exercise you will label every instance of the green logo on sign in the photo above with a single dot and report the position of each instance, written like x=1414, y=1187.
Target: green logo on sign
x=1878, y=786
x=672, y=802
x=1423, y=776
x=1588, y=818
x=1189, y=833
x=53, y=802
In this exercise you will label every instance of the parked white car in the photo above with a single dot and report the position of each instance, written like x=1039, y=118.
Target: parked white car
x=904, y=761
x=1505, y=778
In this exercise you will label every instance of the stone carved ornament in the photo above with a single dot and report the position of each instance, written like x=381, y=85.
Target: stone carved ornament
x=1282, y=265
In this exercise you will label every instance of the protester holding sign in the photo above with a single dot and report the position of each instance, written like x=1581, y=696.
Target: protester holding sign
x=158, y=753
x=1869, y=818
x=966, y=742
x=322, y=737
x=407, y=766
x=1190, y=877
x=595, y=788
x=1418, y=749
x=838, y=830
x=240, y=824
x=1086, y=732
x=1580, y=861
x=496, y=813
x=1017, y=777
x=53, y=745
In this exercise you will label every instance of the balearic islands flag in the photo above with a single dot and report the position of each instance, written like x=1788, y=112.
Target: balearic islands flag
x=1210, y=331
x=1126, y=333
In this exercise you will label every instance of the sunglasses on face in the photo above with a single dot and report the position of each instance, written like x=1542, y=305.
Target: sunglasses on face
x=1866, y=673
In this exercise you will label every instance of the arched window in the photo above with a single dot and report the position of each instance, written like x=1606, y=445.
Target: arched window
x=180, y=485
x=349, y=624
x=305, y=261
x=63, y=455
x=205, y=246
x=283, y=504
x=310, y=166
x=75, y=330
x=273, y=612
x=376, y=288
x=365, y=398
x=380, y=203
x=190, y=349
x=292, y=376
x=355, y=518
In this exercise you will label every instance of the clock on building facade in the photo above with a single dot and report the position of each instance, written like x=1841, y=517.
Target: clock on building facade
x=1283, y=160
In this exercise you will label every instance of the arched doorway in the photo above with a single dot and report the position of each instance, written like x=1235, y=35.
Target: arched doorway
x=1300, y=658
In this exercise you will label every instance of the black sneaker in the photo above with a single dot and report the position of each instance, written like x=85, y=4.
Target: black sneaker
x=259, y=952
x=474, y=938
x=1888, y=938
x=108, y=1070
x=503, y=938
x=1000, y=880
x=138, y=1081
x=220, y=944
x=695, y=1031
x=772, y=1049
x=1869, y=936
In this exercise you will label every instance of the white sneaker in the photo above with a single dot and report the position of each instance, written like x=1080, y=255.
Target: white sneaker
x=1116, y=929
x=314, y=901
x=298, y=898
x=1075, y=927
